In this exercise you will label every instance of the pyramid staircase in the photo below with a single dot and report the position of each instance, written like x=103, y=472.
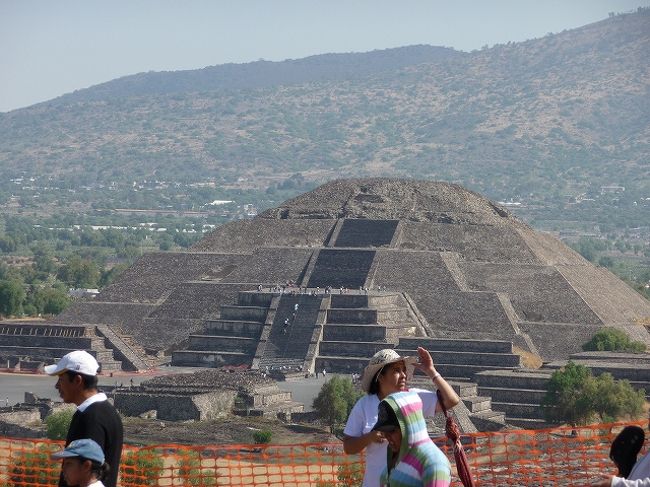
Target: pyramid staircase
x=233, y=338
x=289, y=346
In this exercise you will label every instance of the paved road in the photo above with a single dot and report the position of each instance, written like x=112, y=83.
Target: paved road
x=14, y=386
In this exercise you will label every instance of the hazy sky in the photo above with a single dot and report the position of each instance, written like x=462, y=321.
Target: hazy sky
x=53, y=47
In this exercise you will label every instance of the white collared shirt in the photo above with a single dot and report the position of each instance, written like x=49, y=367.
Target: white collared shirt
x=99, y=397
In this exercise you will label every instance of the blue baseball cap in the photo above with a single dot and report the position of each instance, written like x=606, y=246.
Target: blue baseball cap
x=86, y=448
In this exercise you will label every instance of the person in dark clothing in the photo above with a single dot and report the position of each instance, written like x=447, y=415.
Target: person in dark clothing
x=95, y=418
x=625, y=449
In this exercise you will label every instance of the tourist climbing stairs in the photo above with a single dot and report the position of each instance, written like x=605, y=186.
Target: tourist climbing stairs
x=295, y=322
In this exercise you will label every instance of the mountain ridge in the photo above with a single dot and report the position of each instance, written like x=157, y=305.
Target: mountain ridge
x=562, y=114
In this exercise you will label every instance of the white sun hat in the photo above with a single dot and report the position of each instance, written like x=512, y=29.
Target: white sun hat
x=379, y=360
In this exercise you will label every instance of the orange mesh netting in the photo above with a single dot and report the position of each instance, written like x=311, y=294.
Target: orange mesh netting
x=558, y=456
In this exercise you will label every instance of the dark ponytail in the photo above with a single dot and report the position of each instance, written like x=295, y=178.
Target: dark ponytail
x=100, y=470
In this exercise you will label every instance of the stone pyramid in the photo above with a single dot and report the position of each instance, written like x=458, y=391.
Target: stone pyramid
x=470, y=269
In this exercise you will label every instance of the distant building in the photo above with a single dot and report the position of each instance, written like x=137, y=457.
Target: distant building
x=83, y=293
x=611, y=189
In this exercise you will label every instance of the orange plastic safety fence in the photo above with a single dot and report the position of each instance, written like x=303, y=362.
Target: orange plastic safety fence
x=559, y=456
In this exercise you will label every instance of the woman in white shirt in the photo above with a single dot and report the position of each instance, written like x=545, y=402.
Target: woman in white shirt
x=386, y=373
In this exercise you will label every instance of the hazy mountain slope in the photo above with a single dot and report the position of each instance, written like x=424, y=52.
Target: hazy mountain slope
x=567, y=111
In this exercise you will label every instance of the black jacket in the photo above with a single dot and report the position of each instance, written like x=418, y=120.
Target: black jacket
x=100, y=422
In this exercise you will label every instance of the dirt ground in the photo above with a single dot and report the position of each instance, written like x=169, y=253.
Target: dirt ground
x=231, y=430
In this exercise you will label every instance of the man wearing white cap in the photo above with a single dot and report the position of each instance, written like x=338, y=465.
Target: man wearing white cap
x=95, y=418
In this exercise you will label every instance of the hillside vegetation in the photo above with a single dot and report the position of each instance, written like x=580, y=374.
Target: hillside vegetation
x=542, y=119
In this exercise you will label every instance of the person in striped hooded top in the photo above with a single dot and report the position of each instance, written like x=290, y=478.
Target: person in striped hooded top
x=413, y=460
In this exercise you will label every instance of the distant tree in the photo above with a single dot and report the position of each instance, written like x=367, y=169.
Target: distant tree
x=54, y=301
x=7, y=244
x=564, y=401
x=12, y=296
x=79, y=273
x=606, y=261
x=614, y=399
x=576, y=397
x=613, y=340
x=43, y=259
x=165, y=242
x=335, y=400
x=58, y=424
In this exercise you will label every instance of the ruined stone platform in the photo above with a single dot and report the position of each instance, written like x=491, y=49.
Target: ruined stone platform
x=206, y=395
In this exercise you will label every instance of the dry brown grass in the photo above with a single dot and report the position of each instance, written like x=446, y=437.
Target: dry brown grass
x=529, y=360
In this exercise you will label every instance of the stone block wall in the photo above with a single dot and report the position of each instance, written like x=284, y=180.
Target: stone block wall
x=176, y=407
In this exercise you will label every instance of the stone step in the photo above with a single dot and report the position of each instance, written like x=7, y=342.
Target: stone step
x=504, y=394
x=514, y=379
x=276, y=363
x=231, y=312
x=51, y=355
x=479, y=358
x=350, y=348
x=73, y=343
x=110, y=365
x=248, y=298
x=218, y=343
x=364, y=316
x=41, y=329
x=490, y=415
x=614, y=357
x=456, y=345
x=527, y=423
x=365, y=300
x=463, y=388
x=629, y=371
x=128, y=354
x=488, y=420
x=519, y=410
x=357, y=364
x=347, y=332
x=233, y=328
x=202, y=358
x=477, y=404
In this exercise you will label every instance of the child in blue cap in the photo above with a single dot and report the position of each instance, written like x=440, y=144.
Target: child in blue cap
x=83, y=463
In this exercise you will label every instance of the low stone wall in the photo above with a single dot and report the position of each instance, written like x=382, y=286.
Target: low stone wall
x=21, y=415
x=22, y=422
x=175, y=407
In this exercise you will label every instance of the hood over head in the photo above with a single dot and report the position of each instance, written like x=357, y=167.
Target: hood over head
x=407, y=407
